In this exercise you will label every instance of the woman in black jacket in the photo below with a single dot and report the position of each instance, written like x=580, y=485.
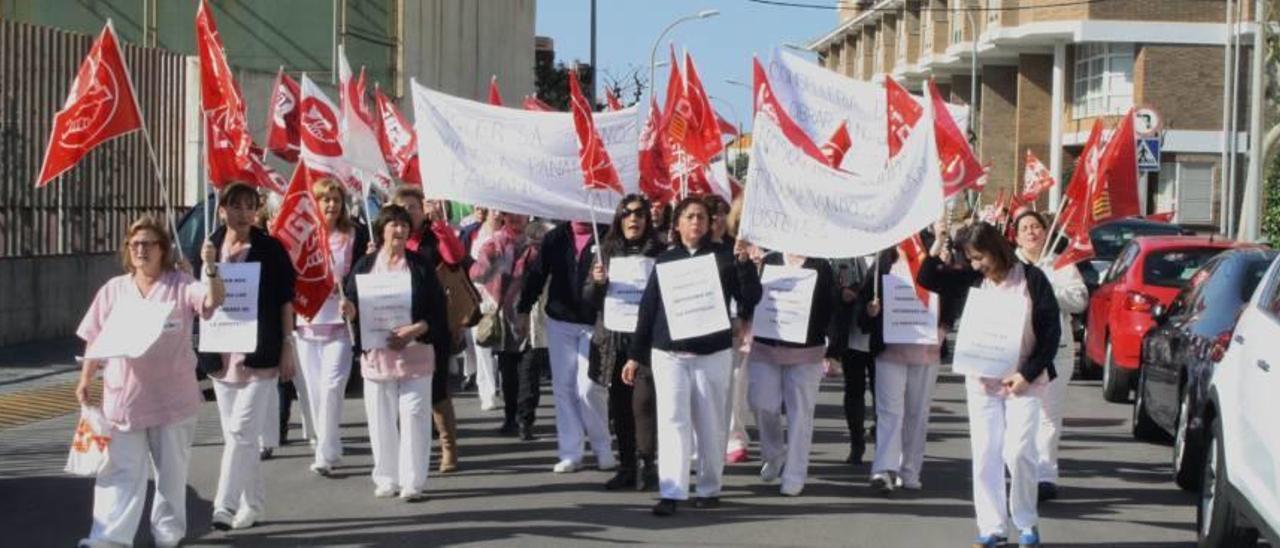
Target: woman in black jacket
x=1003, y=407
x=691, y=370
x=632, y=241
x=785, y=363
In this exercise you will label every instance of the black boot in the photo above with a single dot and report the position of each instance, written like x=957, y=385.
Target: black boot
x=648, y=476
x=526, y=433
x=625, y=478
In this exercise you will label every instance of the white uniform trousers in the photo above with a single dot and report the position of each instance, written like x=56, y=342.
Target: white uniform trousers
x=326, y=365
x=1002, y=434
x=486, y=370
x=739, y=410
x=903, y=393
x=796, y=386
x=1052, y=408
x=468, y=353
x=692, y=393
x=582, y=406
x=269, y=437
x=240, y=407
x=120, y=492
x=401, y=456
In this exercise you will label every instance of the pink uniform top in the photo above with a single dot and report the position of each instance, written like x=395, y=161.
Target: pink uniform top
x=384, y=364
x=159, y=387
x=233, y=369
x=341, y=248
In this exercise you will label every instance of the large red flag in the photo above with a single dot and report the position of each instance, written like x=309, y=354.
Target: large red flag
x=101, y=106
x=495, y=96
x=767, y=103
x=655, y=181
x=1076, y=218
x=702, y=139
x=597, y=168
x=837, y=145
x=914, y=253
x=960, y=167
x=683, y=169
x=1115, y=193
x=532, y=102
x=397, y=140
x=223, y=106
x=612, y=100
x=301, y=230
x=282, y=136
x=903, y=113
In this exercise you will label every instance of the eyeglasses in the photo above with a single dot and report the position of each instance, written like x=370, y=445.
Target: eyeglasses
x=629, y=212
x=138, y=245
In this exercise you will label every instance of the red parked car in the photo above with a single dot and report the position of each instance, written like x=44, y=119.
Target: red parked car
x=1149, y=271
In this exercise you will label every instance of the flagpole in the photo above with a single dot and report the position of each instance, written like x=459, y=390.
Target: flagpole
x=364, y=199
x=164, y=193
x=595, y=230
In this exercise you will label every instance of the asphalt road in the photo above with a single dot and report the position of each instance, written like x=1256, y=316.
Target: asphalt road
x=1114, y=492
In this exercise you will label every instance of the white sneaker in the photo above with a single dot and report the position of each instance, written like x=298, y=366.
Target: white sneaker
x=222, y=519
x=412, y=495
x=772, y=469
x=321, y=470
x=565, y=466
x=789, y=490
x=910, y=485
x=385, y=492
x=884, y=482
x=247, y=517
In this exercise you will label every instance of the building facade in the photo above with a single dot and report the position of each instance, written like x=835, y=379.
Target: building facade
x=1039, y=72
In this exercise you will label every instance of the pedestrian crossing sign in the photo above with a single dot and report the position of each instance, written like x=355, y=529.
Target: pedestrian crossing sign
x=1149, y=154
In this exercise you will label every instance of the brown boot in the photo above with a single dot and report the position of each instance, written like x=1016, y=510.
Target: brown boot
x=446, y=423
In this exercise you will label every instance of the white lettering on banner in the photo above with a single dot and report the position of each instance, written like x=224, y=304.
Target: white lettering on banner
x=906, y=319
x=628, y=277
x=514, y=160
x=990, y=337
x=787, y=300
x=386, y=301
x=692, y=297
x=233, y=327
x=819, y=99
x=129, y=331
x=799, y=205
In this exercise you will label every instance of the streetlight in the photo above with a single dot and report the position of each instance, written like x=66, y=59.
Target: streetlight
x=653, y=53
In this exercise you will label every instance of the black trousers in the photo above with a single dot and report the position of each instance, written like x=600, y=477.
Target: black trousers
x=509, y=372
x=534, y=364
x=633, y=410
x=859, y=374
x=288, y=393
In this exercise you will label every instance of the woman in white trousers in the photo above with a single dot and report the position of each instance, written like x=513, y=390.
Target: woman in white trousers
x=691, y=371
x=1004, y=405
x=150, y=401
x=1073, y=297
x=786, y=362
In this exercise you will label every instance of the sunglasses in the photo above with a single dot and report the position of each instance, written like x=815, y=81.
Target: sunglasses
x=634, y=212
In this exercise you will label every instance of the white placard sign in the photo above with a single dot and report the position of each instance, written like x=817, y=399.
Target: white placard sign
x=129, y=331
x=990, y=336
x=515, y=160
x=783, y=311
x=386, y=301
x=906, y=319
x=692, y=297
x=796, y=204
x=233, y=327
x=628, y=277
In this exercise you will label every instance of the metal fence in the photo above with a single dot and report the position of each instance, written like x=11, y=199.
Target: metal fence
x=88, y=208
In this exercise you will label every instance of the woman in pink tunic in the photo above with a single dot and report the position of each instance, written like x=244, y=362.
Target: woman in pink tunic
x=150, y=401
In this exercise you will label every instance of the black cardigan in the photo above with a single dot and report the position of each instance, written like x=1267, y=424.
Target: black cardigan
x=824, y=324
x=428, y=302
x=559, y=261
x=275, y=289
x=1045, y=320
x=739, y=281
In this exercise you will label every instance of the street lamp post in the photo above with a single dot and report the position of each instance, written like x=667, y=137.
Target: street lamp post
x=653, y=53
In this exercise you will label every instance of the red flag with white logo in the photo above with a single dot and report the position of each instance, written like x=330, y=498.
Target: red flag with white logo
x=1035, y=178
x=683, y=168
x=959, y=166
x=301, y=230
x=597, y=169
x=837, y=145
x=767, y=103
x=1076, y=218
x=397, y=140
x=903, y=112
x=101, y=106
x=229, y=140
x=321, y=143
x=361, y=156
x=495, y=96
x=1115, y=192
x=655, y=182
x=282, y=135
x=914, y=253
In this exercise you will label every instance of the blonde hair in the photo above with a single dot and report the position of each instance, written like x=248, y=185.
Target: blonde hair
x=326, y=186
x=168, y=261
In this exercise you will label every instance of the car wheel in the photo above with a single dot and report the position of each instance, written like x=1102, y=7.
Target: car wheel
x=1217, y=523
x=1144, y=428
x=1188, y=455
x=1115, y=381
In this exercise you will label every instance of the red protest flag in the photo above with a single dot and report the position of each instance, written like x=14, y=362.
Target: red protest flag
x=1035, y=178
x=704, y=140
x=282, y=135
x=397, y=140
x=301, y=230
x=597, y=168
x=1076, y=219
x=654, y=179
x=837, y=145
x=612, y=100
x=532, y=102
x=101, y=106
x=903, y=113
x=495, y=96
x=960, y=167
x=1115, y=192
x=223, y=106
x=767, y=103
x=914, y=253
x=725, y=127
x=682, y=169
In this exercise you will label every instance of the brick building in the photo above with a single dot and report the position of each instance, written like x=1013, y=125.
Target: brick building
x=1045, y=69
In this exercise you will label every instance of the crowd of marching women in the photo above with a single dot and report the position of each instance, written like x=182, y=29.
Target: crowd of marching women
x=662, y=335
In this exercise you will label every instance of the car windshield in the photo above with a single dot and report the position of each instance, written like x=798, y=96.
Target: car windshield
x=1174, y=267
x=1109, y=239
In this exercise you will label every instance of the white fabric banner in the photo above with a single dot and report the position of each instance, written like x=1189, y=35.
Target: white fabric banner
x=990, y=336
x=819, y=99
x=628, y=277
x=385, y=303
x=515, y=160
x=692, y=297
x=132, y=327
x=796, y=204
x=906, y=319
x=233, y=327
x=783, y=311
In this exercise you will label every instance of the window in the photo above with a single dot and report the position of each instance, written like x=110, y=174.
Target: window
x=1194, y=193
x=1175, y=267
x=993, y=13
x=902, y=40
x=957, y=22
x=926, y=33
x=1103, y=79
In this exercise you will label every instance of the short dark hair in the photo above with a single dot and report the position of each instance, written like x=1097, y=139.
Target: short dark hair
x=988, y=240
x=238, y=192
x=1030, y=213
x=389, y=213
x=686, y=203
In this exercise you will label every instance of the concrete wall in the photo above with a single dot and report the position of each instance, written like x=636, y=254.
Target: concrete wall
x=443, y=49
x=999, y=112
x=45, y=297
x=1035, y=111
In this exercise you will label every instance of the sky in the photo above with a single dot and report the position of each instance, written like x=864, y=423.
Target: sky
x=721, y=46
